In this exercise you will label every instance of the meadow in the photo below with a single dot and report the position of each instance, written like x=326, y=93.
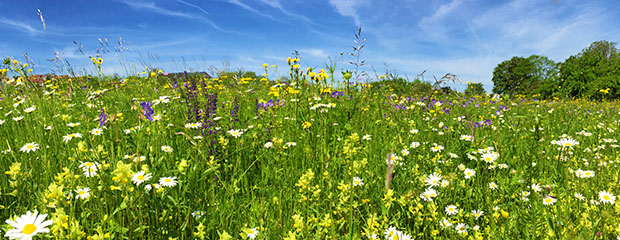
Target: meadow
x=232, y=157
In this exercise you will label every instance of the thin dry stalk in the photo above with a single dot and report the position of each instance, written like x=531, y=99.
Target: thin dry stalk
x=388, y=174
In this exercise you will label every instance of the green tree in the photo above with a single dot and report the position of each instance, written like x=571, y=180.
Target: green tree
x=514, y=76
x=474, y=89
x=596, y=67
x=532, y=75
x=546, y=76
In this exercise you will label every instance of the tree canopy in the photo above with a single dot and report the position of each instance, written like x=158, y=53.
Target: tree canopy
x=594, y=73
x=519, y=75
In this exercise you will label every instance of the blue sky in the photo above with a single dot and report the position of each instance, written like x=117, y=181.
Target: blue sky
x=464, y=37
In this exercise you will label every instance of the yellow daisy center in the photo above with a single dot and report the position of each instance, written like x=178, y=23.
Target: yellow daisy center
x=548, y=200
x=140, y=177
x=29, y=229
x=30, y=146
x=167, y=180
x=606, y=197
x=82, y=192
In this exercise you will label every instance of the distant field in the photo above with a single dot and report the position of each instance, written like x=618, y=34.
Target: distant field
x=152, y=157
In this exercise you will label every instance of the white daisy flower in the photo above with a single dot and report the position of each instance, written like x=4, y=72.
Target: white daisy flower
x=30, y=109
x=548, y=200
x=433, y=179
x=358, y=181
x=235, y=132
x=82, y=193
x=252, y=233
x=451, y=210
x=28, y=225
x=461, y=228
x=140, y=177
x=469, y=173
x=167, y=149
x=195, y=125
x=96, y=131
x=68, y=137
x=606, y=197
x=168, y=181
x=30, y=147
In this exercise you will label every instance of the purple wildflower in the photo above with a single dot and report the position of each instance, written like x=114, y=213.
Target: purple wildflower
x=148, y=110
x=102, y=117
x=337, y=94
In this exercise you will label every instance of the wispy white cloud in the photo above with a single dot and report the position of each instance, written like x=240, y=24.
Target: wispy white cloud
x=348, y=8
x=272, y=3
x=318, y=54
x=442, y=11
x=557, y=31
x=194, y=6
x=471, y=41
x=277, y=5
x=152, y=7
x=163, y=44
x=21, y=26
x=251, y=9
x=432, y=25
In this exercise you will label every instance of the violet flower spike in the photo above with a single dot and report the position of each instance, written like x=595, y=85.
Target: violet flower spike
x=102, y=118
x=148, y=111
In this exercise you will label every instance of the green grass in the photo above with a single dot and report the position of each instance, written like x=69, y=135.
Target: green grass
x=305, y=190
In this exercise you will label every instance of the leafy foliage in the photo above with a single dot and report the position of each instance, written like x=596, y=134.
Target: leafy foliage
x=532, y=75
x=596, y=68
x=474, y=89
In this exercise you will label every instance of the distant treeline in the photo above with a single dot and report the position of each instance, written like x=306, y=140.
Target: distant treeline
x=593, y=74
